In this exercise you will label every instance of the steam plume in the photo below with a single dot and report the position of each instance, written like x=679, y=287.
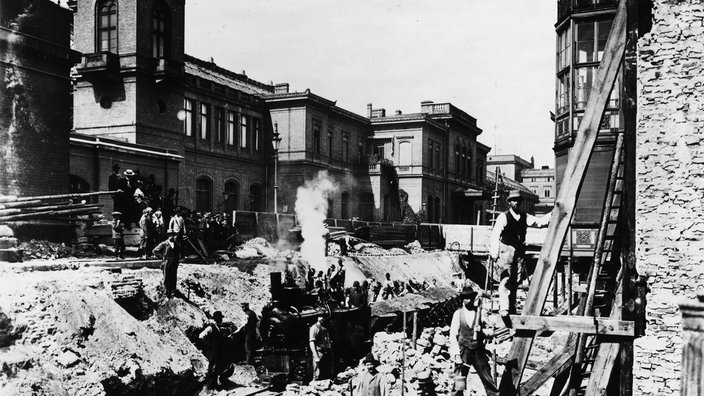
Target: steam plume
x=311, y=209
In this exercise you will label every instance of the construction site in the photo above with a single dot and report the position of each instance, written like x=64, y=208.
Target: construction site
x=610, y=306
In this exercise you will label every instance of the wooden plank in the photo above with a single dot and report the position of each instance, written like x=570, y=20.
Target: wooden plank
x=567, y=197
x=558, y=364
x=575, y=324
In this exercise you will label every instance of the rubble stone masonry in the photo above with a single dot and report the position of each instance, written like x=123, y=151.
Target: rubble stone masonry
x=670, y=184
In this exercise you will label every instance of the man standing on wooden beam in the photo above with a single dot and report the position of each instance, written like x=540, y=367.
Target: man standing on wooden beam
x=507, y=250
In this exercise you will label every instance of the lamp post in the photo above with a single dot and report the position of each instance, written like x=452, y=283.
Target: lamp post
x=276, y=141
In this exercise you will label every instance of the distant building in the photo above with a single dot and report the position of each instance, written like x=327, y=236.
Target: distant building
x=542, y=183
x=505, y=185
x=510, y=165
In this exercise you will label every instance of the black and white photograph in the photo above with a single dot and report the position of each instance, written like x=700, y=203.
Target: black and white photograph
x=356, y=198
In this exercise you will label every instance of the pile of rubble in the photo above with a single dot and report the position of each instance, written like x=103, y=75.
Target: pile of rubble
x=36, y=249
x=256, y=247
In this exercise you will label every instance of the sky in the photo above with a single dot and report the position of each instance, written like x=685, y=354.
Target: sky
x=494, y=59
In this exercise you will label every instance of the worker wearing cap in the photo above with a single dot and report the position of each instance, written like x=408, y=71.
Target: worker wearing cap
x=370, y=382
x=467, y=333
x=507, y=249
x=170, y=253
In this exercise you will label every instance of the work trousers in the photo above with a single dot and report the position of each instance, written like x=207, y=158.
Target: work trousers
x=477, y=358
x=510, y=268
x=119, y=246
x=323, y=368
x=170, y=270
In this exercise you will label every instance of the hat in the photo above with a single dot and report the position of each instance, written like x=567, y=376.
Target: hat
x=116, y=213
x=129, y=172
x=514, y=194
x=218, y=314
x=370, y=359
x=115, y=166
x=468, y=292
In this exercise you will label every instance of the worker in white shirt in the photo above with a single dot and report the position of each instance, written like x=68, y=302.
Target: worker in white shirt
x=467, y=333
x=507, y=249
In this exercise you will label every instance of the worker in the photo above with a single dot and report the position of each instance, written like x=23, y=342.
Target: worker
x=147, y=233
x=170, y=254
x=388, y=288
x=320, y=348
x=250, y=333
x=370, y=382
x=118, y=234
x=507, y=249
x=467, y=333
x=214, y=342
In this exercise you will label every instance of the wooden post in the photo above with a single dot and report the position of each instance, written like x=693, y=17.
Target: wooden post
x=415, y=328
x=403, y=356
x=692, y=347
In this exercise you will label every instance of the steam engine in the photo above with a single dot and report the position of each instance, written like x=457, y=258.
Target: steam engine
x=284, y=328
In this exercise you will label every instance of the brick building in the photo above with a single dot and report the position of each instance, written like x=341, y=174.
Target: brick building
x=35, y=97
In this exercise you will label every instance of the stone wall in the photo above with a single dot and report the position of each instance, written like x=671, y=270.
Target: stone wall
x=670, y=184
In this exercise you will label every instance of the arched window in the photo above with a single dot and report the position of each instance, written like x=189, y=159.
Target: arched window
x=107, y=26
x=463, y=161
x=204, y=194
x=255, y=198
x=469, y=162
x=232, y=195
x=77, y=184
x=345, y=205
x=331, y=209
x=159, y=30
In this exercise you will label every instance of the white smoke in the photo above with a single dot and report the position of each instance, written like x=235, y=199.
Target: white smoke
x=311, y=210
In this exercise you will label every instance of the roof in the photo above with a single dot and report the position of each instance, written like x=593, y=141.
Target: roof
x=211, y=72
x=308, y=95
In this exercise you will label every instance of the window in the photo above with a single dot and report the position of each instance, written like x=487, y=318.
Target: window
x=159, y=30
x=316, y=139
x=430, y=215
x=360, y=150
x=547, y=193
x=431, y=151
x=330, y=132
x=204, y=121
x=345, y=150
x=107, y=26
x=563, y=49
x=583, y=86
x=219, y=124
x=244, y=133
x=232, y=195
x=438, y=162
x=188, y=105
x=591, y=40
x=345, y=205
x=379, y=151
x=404, y=153
x=331, y=209
x=204, y=194
x=468, y=161
x=563, y=93
x=257, y=133
x=463, y=161
x=457, y=160
x=231, y=128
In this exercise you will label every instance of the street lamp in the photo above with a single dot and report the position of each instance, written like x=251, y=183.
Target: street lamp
x=276, y=141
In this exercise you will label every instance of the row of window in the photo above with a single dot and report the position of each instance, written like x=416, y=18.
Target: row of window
x=546, y=193
x=434, y=155
x=463, y=161
x=107, y=24
x=231, y=196
x=345, y=149
x=589, y=41
x=222, y=125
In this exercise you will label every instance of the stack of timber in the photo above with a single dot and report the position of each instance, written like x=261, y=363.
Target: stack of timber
x=57, y=207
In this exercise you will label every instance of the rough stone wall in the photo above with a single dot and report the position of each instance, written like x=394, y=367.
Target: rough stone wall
x=670, y=184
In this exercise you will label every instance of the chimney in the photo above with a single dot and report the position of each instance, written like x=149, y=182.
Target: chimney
x=281, y=88
x=369, y=110
x=377, y=113
x=398, y=112
x=426, y=106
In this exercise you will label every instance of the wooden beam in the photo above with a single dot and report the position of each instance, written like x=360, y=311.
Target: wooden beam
x=575, y=324
x=567, y=197
x=552, y=367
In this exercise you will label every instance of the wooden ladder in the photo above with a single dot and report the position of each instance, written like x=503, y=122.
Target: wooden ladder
x=602, y=279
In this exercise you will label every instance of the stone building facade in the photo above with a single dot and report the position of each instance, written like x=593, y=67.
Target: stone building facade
x=542, y=183
x=670, y=165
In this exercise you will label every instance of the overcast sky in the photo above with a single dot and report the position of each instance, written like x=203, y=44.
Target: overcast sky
x=493, y=59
